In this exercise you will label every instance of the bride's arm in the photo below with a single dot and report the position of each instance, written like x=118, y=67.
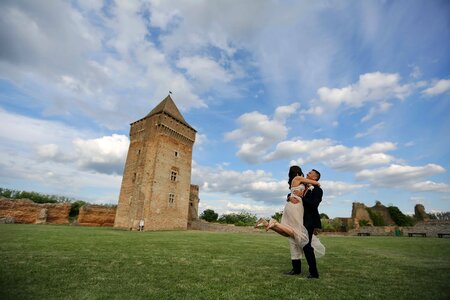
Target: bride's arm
x=300, y=179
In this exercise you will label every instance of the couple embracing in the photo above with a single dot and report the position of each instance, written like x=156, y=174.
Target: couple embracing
x=300, y=219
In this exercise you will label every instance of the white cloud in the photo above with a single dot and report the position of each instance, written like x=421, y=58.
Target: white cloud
x=256, y=187
x=370, y=130
x=339, y=188
x=334, y=155
x=71, y=63
x=438, y=87
x=382, y=107
x=404, y=176
x=258, y=132
x=23, y=130
x=105, y=155
x=205, y=71
x=369, y=88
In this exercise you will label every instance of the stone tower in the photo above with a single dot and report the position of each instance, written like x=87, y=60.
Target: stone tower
x=157, y=176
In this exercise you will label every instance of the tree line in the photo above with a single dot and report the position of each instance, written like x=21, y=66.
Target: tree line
x=244, y=218
x=44, y=198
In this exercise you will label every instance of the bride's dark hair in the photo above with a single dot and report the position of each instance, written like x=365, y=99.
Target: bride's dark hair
x=294, y=171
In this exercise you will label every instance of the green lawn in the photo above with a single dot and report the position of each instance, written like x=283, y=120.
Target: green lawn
x=45, y=261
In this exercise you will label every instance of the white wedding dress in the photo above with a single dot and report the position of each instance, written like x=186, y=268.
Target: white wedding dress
x=293, y=217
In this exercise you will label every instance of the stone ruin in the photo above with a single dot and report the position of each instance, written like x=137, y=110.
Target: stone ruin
x=420, y=214
x=432, y=228
x=96, y=215
x=28, y=212
x=359, y=212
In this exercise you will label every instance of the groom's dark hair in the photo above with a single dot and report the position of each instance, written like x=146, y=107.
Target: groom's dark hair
x=317, y=173
x=294, y=171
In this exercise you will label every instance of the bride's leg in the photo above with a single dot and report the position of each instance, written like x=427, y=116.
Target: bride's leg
x=282, y=229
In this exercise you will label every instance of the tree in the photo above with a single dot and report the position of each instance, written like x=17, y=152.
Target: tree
x=277, y=216
x=441, y=216
x=377, y=218
x=75, y=208
x=209, y=215
x=240, y=219
x=324, y=216
x=399, y=218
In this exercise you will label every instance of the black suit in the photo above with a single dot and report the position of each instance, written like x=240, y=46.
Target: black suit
x=311, y=220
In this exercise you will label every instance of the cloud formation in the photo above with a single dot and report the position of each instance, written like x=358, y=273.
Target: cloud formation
x=259, y=132
x=404, y=176
x=438, y=87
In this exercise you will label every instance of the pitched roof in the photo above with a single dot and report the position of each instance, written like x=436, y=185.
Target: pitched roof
x=168, y=107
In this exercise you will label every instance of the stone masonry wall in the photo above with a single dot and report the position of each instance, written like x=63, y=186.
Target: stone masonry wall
x=28, y=212
x=430, y=229
x=96, y=215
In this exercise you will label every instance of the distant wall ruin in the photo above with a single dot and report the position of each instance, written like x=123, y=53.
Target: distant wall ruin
x=96, y=215
x=26, y=211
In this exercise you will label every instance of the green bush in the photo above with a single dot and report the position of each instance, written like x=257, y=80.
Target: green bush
x=240, y=219
x=399, y=218
x=377, y=218
x=75, y=208
x=326, y=225
x=363, y=223
x=209, y=215
x=324, y=216
x=277, y=216
x=33, y=196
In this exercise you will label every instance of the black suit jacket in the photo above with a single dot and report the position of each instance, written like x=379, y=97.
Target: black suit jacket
x=311, y=201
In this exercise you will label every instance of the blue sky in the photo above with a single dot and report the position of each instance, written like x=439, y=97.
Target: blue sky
x=356, y=89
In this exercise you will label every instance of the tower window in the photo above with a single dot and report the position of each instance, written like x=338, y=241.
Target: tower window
x=171, y=199
x=173, y=176
x=134, y=177
x=177, y=154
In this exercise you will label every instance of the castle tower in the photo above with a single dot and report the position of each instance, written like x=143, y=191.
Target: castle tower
x=157, y=176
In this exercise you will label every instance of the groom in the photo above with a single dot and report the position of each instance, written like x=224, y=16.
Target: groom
x=311, y=220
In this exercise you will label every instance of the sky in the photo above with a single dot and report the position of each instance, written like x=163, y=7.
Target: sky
x=358, y=90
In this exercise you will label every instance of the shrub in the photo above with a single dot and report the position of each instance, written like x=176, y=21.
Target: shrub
x=442, y=216
x=209, y=215
x=363, y=223
x=75, y=208
x=240, y=219
x=399, y=218
x=277, y=216
x=377, y=218
x=324, y=216
x=326, y=225
x=33, y=196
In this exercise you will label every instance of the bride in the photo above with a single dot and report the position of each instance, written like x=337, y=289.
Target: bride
x=291, y=225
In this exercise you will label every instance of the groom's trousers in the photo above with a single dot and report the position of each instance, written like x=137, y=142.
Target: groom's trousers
x=309, y=255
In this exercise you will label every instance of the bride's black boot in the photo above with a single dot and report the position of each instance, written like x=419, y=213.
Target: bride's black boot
x=296, y=267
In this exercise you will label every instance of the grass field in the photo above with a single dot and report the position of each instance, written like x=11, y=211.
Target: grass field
x=48, y=262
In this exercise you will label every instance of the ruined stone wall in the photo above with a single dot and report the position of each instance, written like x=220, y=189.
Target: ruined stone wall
x=359, y=212
x=96, y=215
x=193, y=203
x=430, y=229
x=28, y=212
x=383, y=211
x=419, y=213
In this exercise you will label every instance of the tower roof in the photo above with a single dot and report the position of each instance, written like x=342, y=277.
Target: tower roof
x=168, y=107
